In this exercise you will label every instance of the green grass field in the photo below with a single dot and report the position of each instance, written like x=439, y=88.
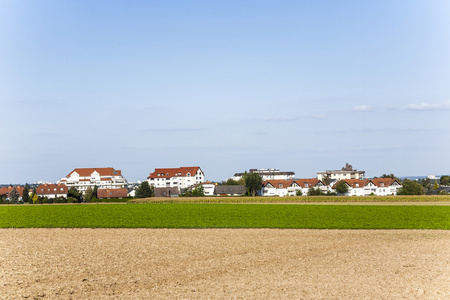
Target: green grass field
x=297, y=199
x=225, y=216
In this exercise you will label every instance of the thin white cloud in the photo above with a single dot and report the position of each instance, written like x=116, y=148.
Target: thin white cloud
x=429, y=106
x=281, y=119
x=362, y=108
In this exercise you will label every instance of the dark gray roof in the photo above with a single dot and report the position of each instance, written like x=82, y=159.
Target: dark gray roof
x=166, y=192
x=230, y=189
x=436, y=191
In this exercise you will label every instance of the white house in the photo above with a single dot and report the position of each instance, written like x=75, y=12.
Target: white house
x=52, y=190
x=376, y=186
x=268, y=174
x=103, y=178
x=208, y=188
x=181, y=178
x=283, y=188
x=346, y=172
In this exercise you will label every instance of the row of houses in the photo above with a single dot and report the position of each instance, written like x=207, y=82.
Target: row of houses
x=356, y=187
x=170, y=182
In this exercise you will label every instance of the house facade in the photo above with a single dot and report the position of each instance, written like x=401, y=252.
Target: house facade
x=7, y=190
x=346, y=172
x=103, y=178
x=208, y=188
x=52, y=190
x=376, y=186
x=283, y=188
x=181, y=178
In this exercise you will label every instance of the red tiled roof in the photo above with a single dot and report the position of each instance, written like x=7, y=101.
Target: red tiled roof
x=307, y=182
x=385, y=181
x=280, y=183
x=359, y=183
x=105, y=179
x=112, y=193
x=6, y=190
x=354, y=183
x=84, y=172
x=173, y=172
x=49, y=189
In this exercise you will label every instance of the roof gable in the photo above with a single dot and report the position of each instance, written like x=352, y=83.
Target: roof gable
x=308, y=182
x=174, y=172
x=87, y=172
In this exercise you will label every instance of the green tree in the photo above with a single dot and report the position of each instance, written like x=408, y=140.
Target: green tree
x=436, y=185
x=25, y=195
x=388, y=176
x=314, y=192
x=14, y=196
x=89, y=194
x=144, y=190
x=298, y=193
x=35, y=199
x=342, y=187
x=94, y=192
x=253, y=182
x=74, y=195
x=445, y=180
x=411, y=188
x=199, y=191
x=231, y=181
x=425, y=183
x=326, y=180
x=60, y=199
x=33, y=193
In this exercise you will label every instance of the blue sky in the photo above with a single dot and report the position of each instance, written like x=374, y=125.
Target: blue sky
x=300, y=86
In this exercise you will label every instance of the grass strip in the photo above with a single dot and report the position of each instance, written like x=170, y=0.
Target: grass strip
x=225, y=216
x=296, y=199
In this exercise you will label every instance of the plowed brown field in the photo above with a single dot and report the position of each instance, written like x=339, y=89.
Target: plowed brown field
x=224, y=264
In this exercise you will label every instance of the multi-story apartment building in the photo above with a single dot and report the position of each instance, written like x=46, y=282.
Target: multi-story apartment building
x=103, y=178
x=346, y=172
x=181, y=178
x=268, y=174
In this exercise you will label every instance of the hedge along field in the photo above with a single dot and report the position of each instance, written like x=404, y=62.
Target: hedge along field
x=296, y=199
x=225, y=216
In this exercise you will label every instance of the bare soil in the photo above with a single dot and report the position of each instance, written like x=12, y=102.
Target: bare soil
x=224, y=264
